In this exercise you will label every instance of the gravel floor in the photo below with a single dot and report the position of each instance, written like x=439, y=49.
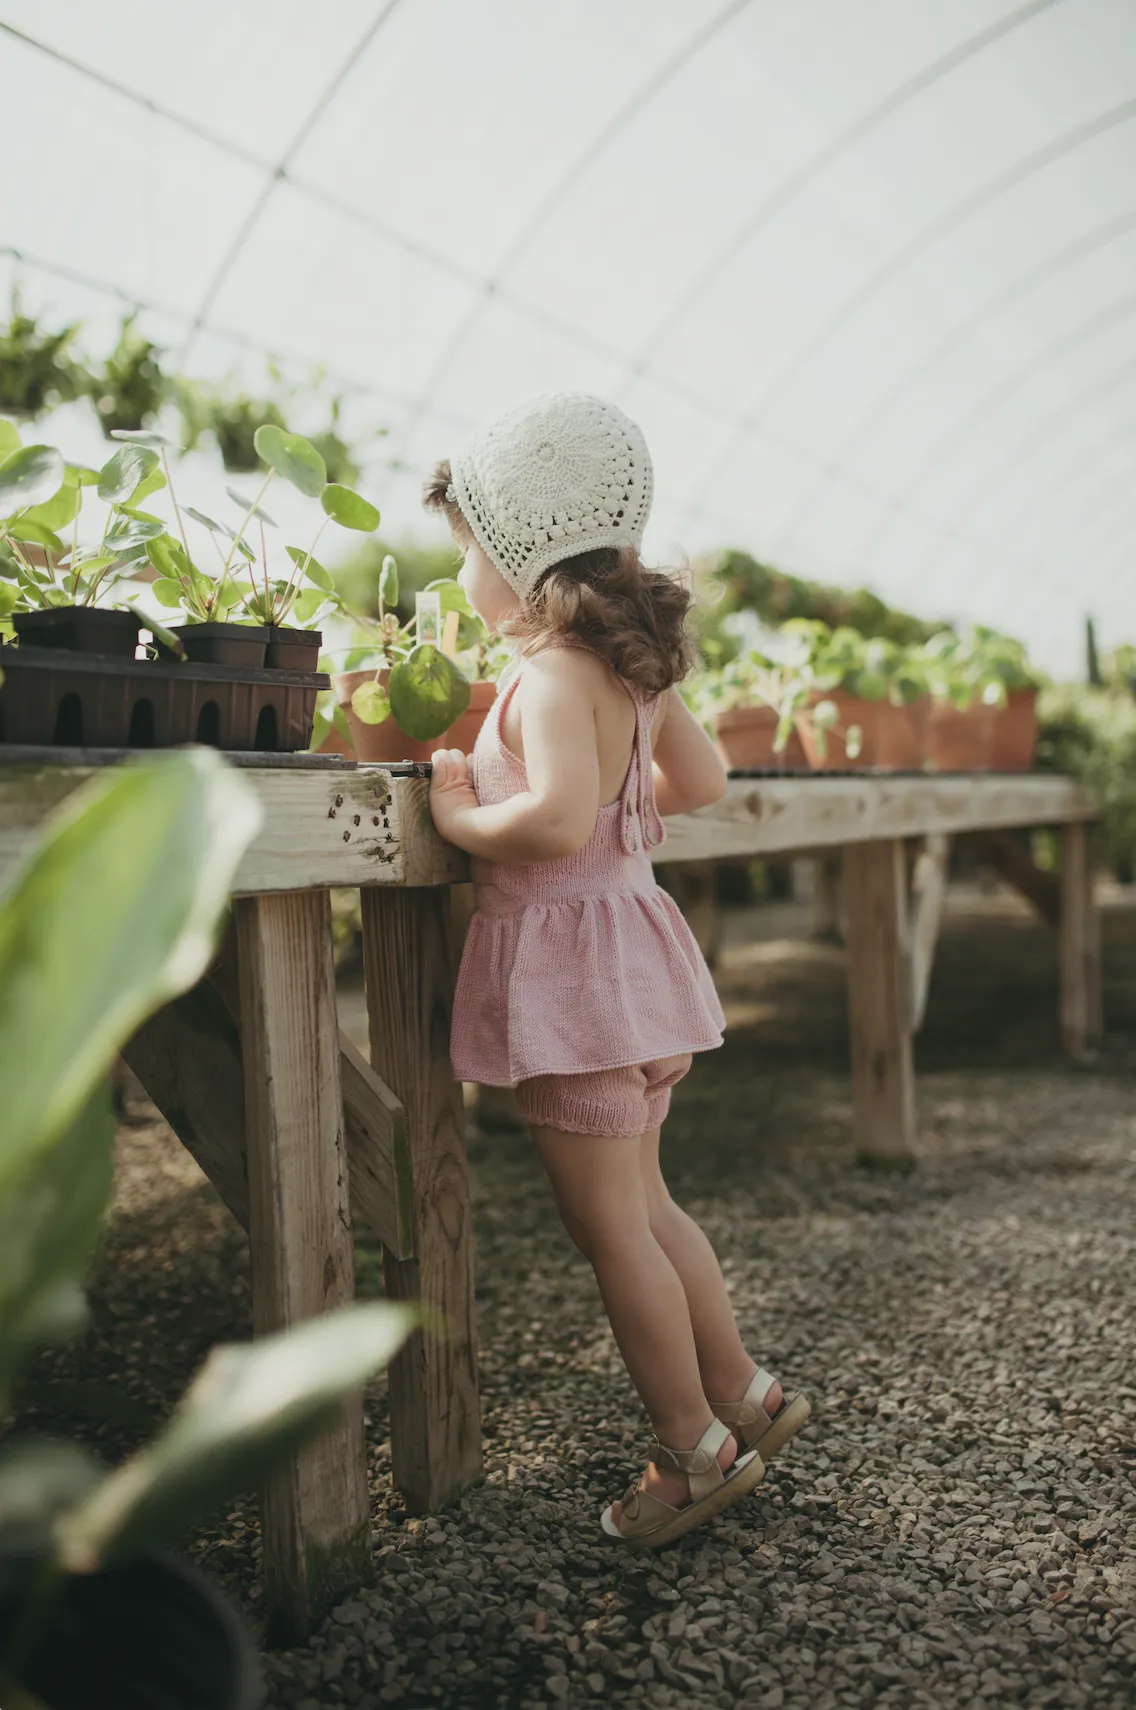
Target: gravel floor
x=957, y=1525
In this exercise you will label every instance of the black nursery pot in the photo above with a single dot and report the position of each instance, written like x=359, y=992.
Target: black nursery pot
x=239, y=644
x=79, y=629
x=292, y=649
x=152, y=1634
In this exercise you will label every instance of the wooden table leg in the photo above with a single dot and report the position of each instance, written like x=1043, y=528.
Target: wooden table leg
x=879, y=1001
x=435, y=1417
x=317, y=1535
x=1080, y=946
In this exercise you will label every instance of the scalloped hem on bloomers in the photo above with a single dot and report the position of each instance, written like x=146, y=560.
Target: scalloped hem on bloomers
x=568, y=987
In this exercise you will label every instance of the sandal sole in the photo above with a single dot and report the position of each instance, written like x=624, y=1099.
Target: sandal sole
x=787, y=1421
x=745, y=1475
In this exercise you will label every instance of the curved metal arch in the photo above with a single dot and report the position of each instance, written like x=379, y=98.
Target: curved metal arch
x=640, y=98
x=1008, y=386
x=279, y=170
x=798, y=182
x=916, y=246
x=949, y=531
x=885, y=404
x=1126, y=499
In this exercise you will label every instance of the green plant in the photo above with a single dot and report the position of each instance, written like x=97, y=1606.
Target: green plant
x=1091, y=733
x=129, y=388
x=734, y=582
x=963, y=670
x=247, y=583
x=37, y=370
x=115, y=913
x=233, y=418
x=425, y=691
x=777, y=669
x=41, y=495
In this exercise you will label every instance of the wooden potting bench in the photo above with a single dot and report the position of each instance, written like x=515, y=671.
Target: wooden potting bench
x=300, y=1135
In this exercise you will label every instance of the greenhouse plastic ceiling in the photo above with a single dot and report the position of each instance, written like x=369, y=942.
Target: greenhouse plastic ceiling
x=865, y=270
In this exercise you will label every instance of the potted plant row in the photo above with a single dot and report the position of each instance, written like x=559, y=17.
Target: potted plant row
x=235, y=653
x=808, y=695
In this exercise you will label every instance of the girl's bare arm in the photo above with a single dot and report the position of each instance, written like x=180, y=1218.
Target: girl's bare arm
x=688, y=772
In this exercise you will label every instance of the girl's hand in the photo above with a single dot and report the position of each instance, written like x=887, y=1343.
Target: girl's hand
x=452, y=794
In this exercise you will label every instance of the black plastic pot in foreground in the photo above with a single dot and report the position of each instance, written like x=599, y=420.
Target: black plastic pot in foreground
x=152, y=1634
x=292, y=649
x=79, y=629
x=241, y=645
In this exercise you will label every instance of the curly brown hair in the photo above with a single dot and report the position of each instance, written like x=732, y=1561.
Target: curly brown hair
x=607, y=599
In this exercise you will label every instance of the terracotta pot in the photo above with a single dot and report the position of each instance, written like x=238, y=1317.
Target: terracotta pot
x=387, y=742
x=901, y=735
x=745, y=741
x=960, y=741
x=850, y=710
x=1015, y=732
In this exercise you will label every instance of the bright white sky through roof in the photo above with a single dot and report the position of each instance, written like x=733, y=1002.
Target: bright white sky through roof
x=865, y=270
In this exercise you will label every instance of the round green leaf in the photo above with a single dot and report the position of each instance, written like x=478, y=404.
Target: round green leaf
x=167, y=593
x=249, y=1408
x=388, y=581
x=9, y=437
x=349, y=509
x=8, y=597
x=370, y=704
x=30, y=476
x=35, y=534
x=451, y=594
x=312, y=568
x=293, y=457
x=427, y=693
x=138, y=437
x=123, y=473
x=247, y=508
x=60, y=510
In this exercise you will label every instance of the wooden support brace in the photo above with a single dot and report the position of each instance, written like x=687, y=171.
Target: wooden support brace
x=435, y=1417
x=928, y=900
x=883, y=1081
x=1080, y=947
x=188, y=1058
x=1010, y=858
x=692, y=884
x=316, y=1513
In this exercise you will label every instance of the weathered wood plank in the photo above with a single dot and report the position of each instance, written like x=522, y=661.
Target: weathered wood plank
x=928, y=900
x=316, y=1513
x=435, y=1418
x=769, y=815
x=188, y=1059
x=366, y=828
x=879, y=1001
x=1080, y=947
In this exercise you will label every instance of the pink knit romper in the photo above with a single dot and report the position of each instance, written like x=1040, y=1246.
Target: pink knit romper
x=579, y=964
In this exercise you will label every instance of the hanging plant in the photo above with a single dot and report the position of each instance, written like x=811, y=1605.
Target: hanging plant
x=36, y=371
x=129, y=389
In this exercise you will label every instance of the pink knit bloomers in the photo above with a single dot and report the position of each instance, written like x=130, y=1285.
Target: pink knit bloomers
x=631, y=1100
x=582, y=965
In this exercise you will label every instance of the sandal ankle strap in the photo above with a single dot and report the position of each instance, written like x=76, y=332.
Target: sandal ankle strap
x=749, y=1410
x=700, y=1464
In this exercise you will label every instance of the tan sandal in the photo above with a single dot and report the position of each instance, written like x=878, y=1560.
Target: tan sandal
x=646, y=1521
x=753, y=1427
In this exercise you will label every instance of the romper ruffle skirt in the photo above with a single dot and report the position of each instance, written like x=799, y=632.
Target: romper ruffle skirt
x=581, y=963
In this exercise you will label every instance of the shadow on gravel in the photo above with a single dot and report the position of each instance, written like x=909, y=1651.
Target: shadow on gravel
x=956, y=1526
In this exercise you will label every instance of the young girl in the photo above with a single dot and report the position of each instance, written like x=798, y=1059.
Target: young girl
x=581, y=985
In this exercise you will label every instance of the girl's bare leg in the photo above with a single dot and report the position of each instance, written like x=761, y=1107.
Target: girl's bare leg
x=602, y=1196
x=725, y=1368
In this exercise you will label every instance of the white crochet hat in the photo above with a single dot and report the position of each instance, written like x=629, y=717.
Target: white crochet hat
x=558, y=476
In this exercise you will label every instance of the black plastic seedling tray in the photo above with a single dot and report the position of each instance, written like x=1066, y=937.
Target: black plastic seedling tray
x=52, y=697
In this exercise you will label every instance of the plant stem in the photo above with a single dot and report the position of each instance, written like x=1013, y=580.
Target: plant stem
x=174, y=503
x=247, y=516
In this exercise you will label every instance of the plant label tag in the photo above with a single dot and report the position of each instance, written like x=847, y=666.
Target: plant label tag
x=428, y=618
